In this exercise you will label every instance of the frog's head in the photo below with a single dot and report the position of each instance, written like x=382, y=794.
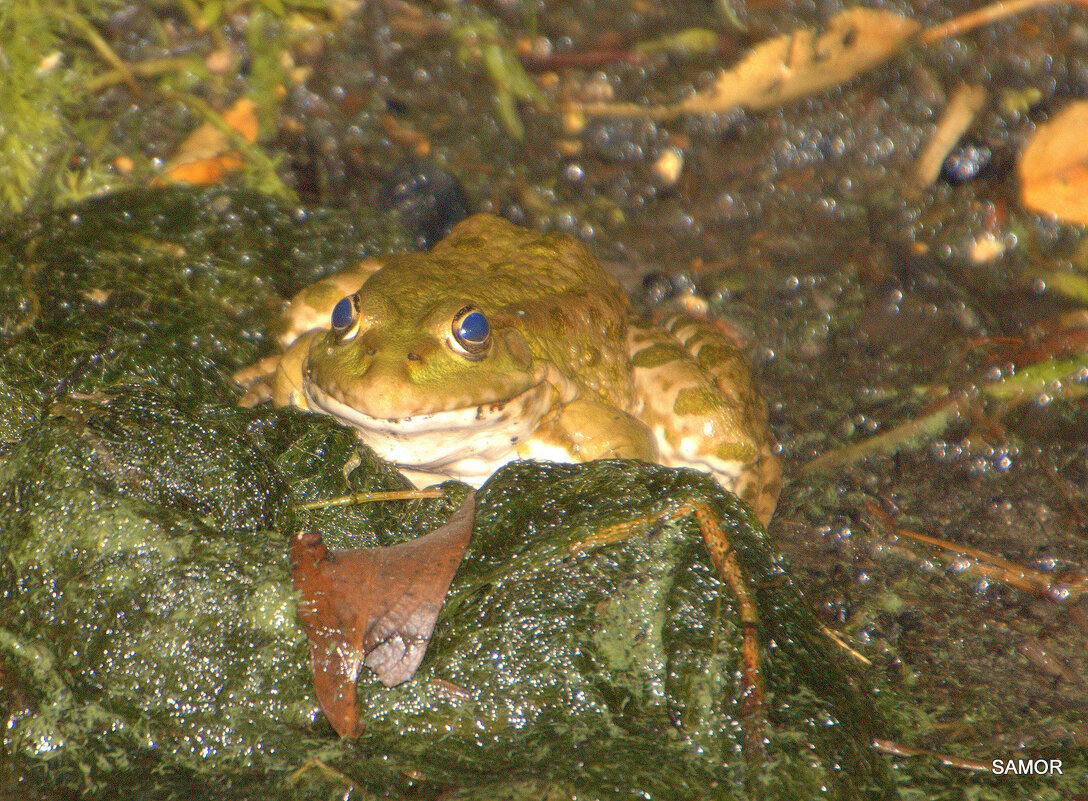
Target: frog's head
x=427, y=379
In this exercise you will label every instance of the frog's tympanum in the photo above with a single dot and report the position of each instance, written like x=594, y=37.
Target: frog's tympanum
x=502, y=343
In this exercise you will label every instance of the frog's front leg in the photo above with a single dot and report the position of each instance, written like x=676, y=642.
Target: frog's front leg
x=278, y=378
x=587, y=429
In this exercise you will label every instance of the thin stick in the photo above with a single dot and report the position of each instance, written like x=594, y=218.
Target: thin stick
x=958, y=115
x=991, y=565
x=984, y=16
x=896, y=749
x=373, y=497
x=839, y=641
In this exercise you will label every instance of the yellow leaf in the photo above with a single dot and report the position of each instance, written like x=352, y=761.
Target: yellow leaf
x=204, y=171
x=1054, y=166
x=207, y=155
x=804, y=62
x=791, y=66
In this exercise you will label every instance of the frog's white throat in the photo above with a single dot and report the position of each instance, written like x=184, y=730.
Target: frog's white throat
x=468, y=443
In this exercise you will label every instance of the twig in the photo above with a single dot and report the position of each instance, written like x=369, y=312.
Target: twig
x=894, y=748
x=990, y=565
x=373, y=497
x=839, y=641
x=956, y=119
x=583, y=59
x=995, y=12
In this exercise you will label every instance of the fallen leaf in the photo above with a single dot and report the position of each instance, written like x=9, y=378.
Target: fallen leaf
x=207, y=154
x=804, y=62
x=374, y=607
x=1054, y=166
x=791, y=66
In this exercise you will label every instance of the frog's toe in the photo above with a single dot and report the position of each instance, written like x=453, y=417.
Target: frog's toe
x=256, y=380
x=257, y=373
x=257, y=394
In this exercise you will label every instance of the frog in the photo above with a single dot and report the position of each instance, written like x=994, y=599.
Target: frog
x=504, y=343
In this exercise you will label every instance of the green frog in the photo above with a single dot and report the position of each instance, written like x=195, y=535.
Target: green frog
x=502, y=343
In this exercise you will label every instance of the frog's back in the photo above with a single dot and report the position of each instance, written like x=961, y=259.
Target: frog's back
x=499, y=264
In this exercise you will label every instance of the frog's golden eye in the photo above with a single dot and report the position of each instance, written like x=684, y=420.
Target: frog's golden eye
x=343, y=318
x=471, y=333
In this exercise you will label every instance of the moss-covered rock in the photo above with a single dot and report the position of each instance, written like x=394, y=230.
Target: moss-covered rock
x=148, y=635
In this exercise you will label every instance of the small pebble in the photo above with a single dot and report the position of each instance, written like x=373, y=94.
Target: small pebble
x=965, y=163
x=669, y=165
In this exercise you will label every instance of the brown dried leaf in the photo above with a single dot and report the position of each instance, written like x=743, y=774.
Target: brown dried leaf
x=373, y=606
x=207, y=155
x=801, y=63
x=791, y=66
x=1054, y=166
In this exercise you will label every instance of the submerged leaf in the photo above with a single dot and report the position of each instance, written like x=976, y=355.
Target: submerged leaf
x=207, y=154
x=1054, y=166
x=373, y=606
x=793, y=65
x=804, y=62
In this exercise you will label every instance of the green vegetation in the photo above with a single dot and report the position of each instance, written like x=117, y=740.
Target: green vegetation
x=481, y=38
x=43, y=74
x=61, y=136
x=149, y=638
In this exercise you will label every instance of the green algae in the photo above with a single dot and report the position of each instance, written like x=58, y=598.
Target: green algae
x=149, y=644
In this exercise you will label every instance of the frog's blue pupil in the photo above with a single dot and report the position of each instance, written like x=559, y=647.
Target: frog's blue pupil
x=343, y=313
x=474, y=328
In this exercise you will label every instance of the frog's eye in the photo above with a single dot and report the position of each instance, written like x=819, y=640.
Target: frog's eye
x=471, y=333
x=343, y=317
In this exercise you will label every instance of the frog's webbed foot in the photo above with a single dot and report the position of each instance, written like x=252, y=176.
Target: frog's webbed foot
x=752, y=701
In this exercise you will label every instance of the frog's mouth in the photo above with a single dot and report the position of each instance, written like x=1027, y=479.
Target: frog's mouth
x=432, y=441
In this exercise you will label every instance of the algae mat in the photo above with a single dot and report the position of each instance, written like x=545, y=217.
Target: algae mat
x=150, y=645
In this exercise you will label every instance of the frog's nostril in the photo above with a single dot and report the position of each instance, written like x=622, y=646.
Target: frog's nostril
x=414, y=357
